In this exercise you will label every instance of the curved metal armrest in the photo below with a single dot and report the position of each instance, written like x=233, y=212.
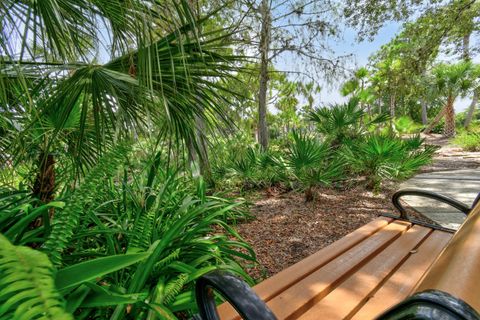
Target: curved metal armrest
x=236, y=291
x=431, y=304
x=427, y=194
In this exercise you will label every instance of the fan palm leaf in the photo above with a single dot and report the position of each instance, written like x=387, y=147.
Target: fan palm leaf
x=172, y=77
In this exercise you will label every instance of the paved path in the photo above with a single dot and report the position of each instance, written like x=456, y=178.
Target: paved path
x=463, y=185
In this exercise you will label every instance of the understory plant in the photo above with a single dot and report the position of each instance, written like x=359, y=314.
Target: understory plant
x=255, y=168
x=131, y=244
x=468, y=140
x=342, y=122
x=385, y=157
x=312, y=163
x=405, y=124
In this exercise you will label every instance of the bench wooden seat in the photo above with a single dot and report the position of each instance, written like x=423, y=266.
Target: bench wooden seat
x=373, y=269
x=343, y=279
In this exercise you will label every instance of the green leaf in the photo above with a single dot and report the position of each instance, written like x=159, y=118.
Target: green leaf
x=104, y=299
x=86, y=271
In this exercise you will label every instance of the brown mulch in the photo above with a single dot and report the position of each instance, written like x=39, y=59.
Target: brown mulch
x=286, y=229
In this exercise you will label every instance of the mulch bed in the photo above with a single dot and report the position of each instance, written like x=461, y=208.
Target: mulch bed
x=286, y=229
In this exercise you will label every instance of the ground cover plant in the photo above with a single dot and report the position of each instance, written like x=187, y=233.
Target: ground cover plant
x=468, y=140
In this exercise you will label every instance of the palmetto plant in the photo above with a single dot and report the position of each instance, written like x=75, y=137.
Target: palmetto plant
x=343, y=121
x=380, y=157
x=257, y=168
x=312, y=163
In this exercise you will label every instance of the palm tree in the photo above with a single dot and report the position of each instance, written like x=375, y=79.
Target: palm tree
x=452, y=80
x=158, y=75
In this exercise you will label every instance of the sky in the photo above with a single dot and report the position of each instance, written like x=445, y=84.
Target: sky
x=360, y=51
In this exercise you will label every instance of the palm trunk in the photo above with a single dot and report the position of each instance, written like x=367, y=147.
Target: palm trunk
x=449, y=129
x=44, y=185
x=436, y=120
x=471, y=110
x=262, y=94
x=192, y=153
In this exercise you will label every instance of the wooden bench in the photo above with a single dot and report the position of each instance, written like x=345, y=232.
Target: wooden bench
x=391, y=268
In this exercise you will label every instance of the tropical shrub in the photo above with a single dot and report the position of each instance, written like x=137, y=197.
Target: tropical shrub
x=405, y=124
x=136, y=237
x=342, y=122
x=380, y=157
x=312, y=163
x=468, y=140
x=255, y=168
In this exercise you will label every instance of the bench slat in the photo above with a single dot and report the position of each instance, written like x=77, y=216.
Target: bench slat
x=402, y=282
x=307, y=292
x=271, y=287
x=347, y=298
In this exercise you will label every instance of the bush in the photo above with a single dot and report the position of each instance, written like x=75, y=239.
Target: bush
x=342, y=122
x=129, y=237
x=312, y=163
x=380, y=157
x=405, y=124
x=468, y=140
x=254, y=168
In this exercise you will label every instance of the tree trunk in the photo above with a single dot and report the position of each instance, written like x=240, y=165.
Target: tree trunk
x=192, y=153
x=204, y=163
x=424, y=112
x=471, y=110
x=262, y=94
x=44, y=185
x=466, y=47
x=466, y=57
x=436, y=120
x=392, y=110
x=449, y=129
x=201, y=153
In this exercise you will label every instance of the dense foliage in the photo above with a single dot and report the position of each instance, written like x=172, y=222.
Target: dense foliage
x=129, y=130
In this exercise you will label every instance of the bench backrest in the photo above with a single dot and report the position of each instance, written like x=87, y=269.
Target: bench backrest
x=457, y=269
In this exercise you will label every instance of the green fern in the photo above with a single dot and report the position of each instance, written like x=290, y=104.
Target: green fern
x=142, y=231
x=27, y=289
x=173, y=288
x=173, y=256
x=67, y=220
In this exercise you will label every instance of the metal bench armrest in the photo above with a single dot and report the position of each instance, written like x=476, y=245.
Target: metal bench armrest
x=431, y=304
x=236, y=291
x=427, y=194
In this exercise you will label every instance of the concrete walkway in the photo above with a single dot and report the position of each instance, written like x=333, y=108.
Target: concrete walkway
x=463, y=185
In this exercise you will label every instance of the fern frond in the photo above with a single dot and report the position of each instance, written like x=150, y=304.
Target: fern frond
x=142, y=231
x=67, y=220
x=27, y=289
x=173, y=288
x=168, y=259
